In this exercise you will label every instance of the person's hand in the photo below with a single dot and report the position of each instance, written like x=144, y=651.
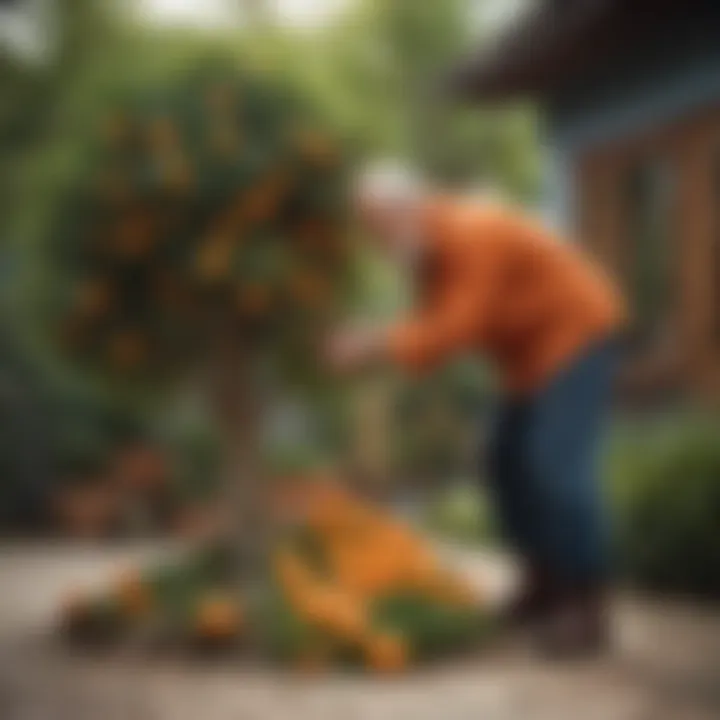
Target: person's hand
x=353, y=348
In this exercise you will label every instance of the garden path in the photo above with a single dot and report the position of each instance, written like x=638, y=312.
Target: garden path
x=666, y=665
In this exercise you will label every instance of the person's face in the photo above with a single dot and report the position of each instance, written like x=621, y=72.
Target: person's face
x=391, y=227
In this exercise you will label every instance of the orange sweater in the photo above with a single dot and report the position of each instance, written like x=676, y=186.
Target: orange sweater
x=496, y=282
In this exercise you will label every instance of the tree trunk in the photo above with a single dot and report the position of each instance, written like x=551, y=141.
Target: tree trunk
x=371, y=451
x=237, y=397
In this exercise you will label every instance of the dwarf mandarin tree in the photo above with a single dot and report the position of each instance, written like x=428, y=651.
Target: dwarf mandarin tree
x=205, y=236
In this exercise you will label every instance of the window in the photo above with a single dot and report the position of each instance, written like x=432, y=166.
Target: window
x=648, y=196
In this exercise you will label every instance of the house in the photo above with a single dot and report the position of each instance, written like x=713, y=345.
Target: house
x=631, y=96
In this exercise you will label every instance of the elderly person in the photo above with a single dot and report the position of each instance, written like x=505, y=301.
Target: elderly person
x=489, y=280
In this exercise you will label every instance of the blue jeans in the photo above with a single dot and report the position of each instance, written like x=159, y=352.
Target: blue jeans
x=544, y=469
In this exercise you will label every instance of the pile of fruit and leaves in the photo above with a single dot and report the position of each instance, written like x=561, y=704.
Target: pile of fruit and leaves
x=345, y=584
x=355, y=584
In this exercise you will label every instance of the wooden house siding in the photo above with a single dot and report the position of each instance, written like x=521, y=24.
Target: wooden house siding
x=671, y=79
x=661, y=102
x=631, y=94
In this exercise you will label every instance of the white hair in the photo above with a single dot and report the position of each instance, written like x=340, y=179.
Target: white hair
x=389, y=183
x=488, y=193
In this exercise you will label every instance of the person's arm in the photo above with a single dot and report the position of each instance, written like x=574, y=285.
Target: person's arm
x=458, y=317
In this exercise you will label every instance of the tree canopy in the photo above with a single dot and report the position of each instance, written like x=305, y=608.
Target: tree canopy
x=210, y=211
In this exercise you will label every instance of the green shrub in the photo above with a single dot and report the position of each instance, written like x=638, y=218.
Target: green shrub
x=666, y=494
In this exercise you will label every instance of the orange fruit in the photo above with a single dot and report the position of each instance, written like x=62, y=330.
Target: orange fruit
x=316, y=147
x=176, y=172
x=214, y=258
x=218, y=617
x=135, y=237
x=314, y=235
x=94, y=298
x=292, y=572
x=253, y=300
x=387, y=653
x=335, y=611
x=260, y=203
x=127, y=349
x=134, y=594
x=309, y=289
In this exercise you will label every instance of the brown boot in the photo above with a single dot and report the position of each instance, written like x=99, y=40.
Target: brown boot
x=578, y=626
x=534, y=601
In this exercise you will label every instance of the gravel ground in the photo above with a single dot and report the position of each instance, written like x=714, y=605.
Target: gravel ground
x=666, y=666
